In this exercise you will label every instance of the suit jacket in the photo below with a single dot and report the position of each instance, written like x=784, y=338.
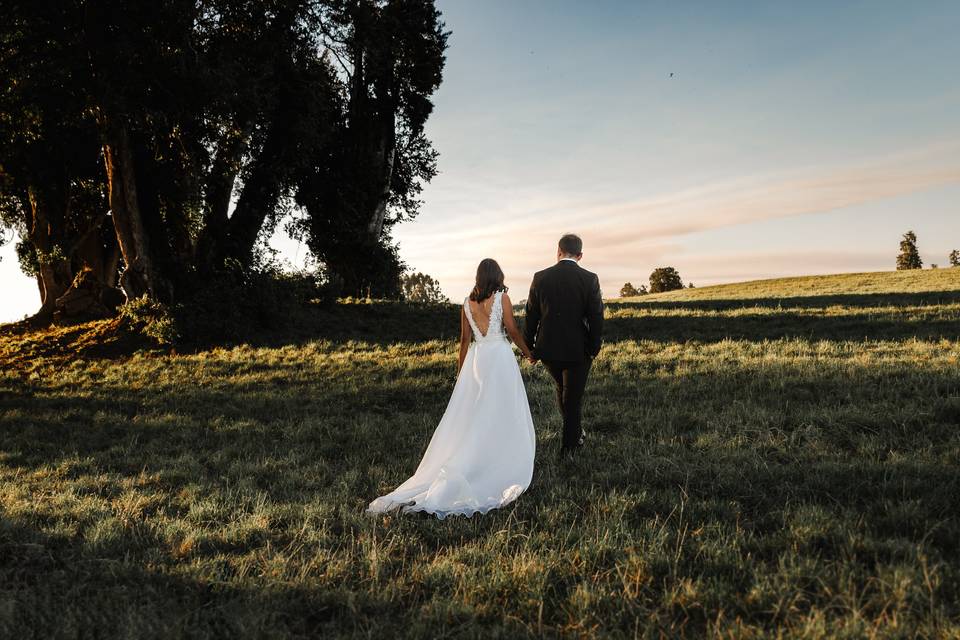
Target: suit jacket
x=564, y=313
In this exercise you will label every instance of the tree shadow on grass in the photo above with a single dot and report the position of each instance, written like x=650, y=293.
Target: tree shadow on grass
x=849, y=317
x=380, y=323
x=317, y=453
x=55, y=586
x=783, y=325
x=848, y=300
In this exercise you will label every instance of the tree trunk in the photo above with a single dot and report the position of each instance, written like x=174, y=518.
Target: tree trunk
x=222, y=178
x=383, y=163
x=259, y=198
x=138, y=277
x=97, y=254
x=49, y=210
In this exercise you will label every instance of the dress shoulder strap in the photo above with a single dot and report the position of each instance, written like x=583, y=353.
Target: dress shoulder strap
x=496, y=313
x=470, y=320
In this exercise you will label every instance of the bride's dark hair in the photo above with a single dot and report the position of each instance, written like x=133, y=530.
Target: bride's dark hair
x=489, y=280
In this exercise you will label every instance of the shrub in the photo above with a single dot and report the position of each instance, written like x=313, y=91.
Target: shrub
x=151, y=318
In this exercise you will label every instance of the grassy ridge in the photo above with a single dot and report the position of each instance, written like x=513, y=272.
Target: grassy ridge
x=861, y=286
x=753, y=469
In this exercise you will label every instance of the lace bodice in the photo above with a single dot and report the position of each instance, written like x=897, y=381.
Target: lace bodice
x=495, y=329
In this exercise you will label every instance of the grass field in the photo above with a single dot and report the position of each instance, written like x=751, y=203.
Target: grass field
x=770, y=459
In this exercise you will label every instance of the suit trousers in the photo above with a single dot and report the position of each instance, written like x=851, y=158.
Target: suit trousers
x=571, y=379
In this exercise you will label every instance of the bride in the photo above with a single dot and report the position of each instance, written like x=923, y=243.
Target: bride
x=481, y=455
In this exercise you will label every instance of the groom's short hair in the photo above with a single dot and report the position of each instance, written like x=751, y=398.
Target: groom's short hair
x=571, y=244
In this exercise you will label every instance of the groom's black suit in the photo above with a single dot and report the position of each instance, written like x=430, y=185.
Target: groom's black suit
x=563, y=328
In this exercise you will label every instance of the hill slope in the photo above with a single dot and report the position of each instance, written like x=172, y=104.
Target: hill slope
x=877, y=283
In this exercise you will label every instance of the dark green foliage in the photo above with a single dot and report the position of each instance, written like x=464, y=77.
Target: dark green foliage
x=955, y=258
x=151, y=318
x=665, y=279
x=391, y=61
x=909, y=257
x=192, y=105
x=419, y=287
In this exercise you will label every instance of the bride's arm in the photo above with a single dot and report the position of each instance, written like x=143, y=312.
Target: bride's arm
x=510, y=323
x=464, y=339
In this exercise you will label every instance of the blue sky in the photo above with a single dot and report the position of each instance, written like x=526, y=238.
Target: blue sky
x=793, y=138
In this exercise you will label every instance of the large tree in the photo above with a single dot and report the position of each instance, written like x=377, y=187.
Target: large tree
x=129, y=130
x=390, y=57
x=51, y=187
x=665, y=279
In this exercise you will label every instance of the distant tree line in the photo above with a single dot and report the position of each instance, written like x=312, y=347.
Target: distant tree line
x=668, y=279
x=153, y=146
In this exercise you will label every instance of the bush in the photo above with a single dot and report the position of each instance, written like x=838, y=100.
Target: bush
x=151, y=318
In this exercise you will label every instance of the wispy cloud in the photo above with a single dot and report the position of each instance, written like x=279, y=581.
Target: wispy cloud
x=520, y=228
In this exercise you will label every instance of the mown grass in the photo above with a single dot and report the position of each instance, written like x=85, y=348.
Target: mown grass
x=781, y=467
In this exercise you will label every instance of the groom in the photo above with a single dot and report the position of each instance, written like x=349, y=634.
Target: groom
x=564, y=320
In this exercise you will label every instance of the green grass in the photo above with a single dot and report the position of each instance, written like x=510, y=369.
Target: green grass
x=776, y=459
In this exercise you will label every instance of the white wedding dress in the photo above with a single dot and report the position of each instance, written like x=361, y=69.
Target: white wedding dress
x=481, y=455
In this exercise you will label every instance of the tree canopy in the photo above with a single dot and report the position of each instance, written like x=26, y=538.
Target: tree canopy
x=665, y=279
x=152, y=146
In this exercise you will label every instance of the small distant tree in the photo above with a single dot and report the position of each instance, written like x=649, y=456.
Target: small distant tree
x=628, y=291
x=690, y=285
x=934, y=265
x=665, y=279
x=419, y=287
x=909, y=257
x=955, y=258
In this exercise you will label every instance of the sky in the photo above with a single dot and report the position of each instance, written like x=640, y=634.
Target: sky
x=732, y=141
